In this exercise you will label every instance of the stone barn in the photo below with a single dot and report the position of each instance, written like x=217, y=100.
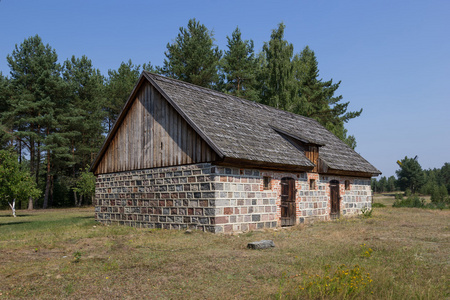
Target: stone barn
x=181, y=156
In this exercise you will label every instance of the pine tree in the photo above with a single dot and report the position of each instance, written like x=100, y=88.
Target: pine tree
x=83, y=120
x=315, y=98
x=410, y=175
x=37, y=91
x=239, y=67
x=277, y=73
x=193, y=57
x=5, y=124
x=119, y=85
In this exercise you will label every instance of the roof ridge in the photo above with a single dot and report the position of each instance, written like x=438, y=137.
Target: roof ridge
x=229, y=96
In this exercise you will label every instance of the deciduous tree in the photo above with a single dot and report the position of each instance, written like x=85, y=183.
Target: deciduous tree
x=16, y=184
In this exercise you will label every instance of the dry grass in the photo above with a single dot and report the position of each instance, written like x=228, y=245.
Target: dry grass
x=389, y=198
x=409, y=258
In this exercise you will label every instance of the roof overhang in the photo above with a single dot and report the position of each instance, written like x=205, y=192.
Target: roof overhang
x=262, y=165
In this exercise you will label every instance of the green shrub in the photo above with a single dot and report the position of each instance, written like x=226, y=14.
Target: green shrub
x=412, y=200
x=438, y=205
x=344, y=282
x=439, y=194
x=378, y=205
x=366, y=212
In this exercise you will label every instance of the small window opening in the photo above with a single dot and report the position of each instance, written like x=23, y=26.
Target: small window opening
x=312, y=184
x=267, y=182
x=347, y=184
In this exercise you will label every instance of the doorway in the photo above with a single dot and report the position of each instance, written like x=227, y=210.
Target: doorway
x=335, y=200
x=288, y=201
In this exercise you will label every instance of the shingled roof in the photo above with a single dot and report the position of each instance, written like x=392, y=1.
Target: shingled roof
x=246, y=130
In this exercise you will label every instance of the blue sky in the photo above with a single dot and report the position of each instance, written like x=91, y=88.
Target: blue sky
x=391, y=56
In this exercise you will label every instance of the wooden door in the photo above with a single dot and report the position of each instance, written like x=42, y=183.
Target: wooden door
x=335, y=199
x=287, y=201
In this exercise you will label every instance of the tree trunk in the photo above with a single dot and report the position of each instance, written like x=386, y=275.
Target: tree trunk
x=52, y=181
x=81, y=201
x=48, y=181
x=30, y=203
x=13, y=207
x=75, y=197
x=38, y=161
x=30, y=200
x=20, y=152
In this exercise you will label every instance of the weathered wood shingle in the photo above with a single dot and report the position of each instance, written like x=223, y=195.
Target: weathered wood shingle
x=246, y=130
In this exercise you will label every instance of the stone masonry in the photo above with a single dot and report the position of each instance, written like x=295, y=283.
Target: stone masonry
x=217, y=199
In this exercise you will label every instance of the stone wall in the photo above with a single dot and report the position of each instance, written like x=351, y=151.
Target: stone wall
x=241, y=202
x=218, y=199
x=172, y=198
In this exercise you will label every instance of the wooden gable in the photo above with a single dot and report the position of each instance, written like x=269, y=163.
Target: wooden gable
x=151, y=133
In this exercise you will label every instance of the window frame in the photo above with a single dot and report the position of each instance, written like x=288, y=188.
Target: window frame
x=267, y=183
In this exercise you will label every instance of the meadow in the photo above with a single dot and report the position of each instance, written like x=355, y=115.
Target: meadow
x=397, y=253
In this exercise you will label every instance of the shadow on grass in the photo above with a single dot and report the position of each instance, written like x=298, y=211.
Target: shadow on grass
x=14, y=223
x=10, y=216
x=85, y=217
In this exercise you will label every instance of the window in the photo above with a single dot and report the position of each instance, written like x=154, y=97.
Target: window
x=312, y=184
x=267, y=182
x=347, y=184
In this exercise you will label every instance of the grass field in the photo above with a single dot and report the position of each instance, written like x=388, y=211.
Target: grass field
x=389, y=198
x=398, y=253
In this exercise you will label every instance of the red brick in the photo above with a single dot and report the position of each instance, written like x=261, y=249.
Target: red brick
x=221, y=220
x=228, y=211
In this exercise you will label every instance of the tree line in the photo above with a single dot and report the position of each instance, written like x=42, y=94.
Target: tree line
x=411, y=178
x=54, y=116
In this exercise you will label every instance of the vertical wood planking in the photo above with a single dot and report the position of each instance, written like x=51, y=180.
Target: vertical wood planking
x=188, y=144
x=182, y=141
x=169, y=135
x=147, y=135
x=149, y=124
x=157, y=132
x=180, y=152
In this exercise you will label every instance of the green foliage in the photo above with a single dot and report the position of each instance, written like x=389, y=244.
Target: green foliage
x=292, y=83
x=85, y=185
x=15, y=183
x=316, y=100
x=344, y=282
x=5, y=136
x=278, y=89
x=384, y=185
x=77, y=256
x=439, y=194
x=119, y=85
x=38, y=97
x=367, y=212
x=410, y=175
x=365, y=251
x=84, y=114
x=378, y=205
x=411, y=200
x=239, y=67
x=193, y=57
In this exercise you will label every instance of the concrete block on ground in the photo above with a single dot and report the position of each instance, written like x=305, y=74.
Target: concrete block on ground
x=264, y=244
